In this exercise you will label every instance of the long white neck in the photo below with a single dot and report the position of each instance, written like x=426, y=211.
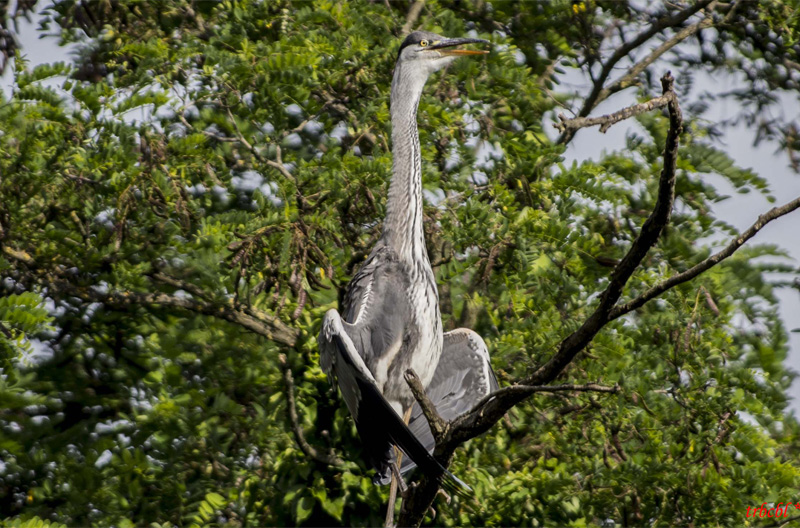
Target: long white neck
x=402, y=229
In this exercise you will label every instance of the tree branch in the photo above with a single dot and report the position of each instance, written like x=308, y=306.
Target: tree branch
x=277, y=165
x=179, y=284
x=250, y=318
x=713, y=260
x=291, y=410
x=606, y=121
x=647, y=238
x=257, y=322
x=439, y=426
x=630, y=76
x=530, y=389
x=18, y=255
x=655, y=28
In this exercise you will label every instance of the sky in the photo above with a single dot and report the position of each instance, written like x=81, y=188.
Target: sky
x=740, y=210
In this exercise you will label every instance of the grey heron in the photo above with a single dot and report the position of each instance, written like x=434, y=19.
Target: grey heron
x=391, y=320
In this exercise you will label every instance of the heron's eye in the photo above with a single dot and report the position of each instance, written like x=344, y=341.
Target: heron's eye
x=423, y=43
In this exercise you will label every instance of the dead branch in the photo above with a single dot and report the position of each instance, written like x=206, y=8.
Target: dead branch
x=531, y=389
x=439, y=425
x=179, y=284
x=630, y=76
x=413, y=16
x=647, y=238
x=249, y=318
x=606, y=121
x=277, y=164
x=262, y=324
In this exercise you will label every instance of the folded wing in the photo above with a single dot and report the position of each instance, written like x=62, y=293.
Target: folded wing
x=379, y=426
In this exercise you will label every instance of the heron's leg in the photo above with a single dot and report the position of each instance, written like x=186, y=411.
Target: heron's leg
x=396, y=479
x=402, y=486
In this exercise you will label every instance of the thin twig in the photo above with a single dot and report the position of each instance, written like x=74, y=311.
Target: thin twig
x=631, y=75
x=783, y=522
x=530, y=389
x=605, y=121
x=252, y=319
x=19, y=255
x=180, y=284
x=291, y=409
x=278, y=164
x=713, y=260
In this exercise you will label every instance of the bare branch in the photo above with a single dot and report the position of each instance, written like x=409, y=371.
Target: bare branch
x=713, y=260
x=530, y=389
x=262, y=323
x=249, y=318
x=481, y=418
x=19, y=255
x=439, y=425
x=606, y=121
x=291, y=409
x=179, y=284
x=344, y=110
x=630, y=76
x=783, y=522
x=277, y=165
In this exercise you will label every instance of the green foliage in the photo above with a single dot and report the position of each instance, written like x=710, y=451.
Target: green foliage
x=204, y=158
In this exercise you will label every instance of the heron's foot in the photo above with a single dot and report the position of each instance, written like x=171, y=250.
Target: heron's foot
x=445, y=495
x=401, y=484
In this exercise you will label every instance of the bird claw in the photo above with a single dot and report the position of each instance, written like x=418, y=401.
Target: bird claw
x=443, y=493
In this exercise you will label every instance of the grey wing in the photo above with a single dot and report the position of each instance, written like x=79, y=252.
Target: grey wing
x=379, y=426
x=340, y=359
x=377, y=310
x=361, y=292
x=462, y=378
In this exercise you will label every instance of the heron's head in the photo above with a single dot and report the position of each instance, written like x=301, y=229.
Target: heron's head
x=430, y=52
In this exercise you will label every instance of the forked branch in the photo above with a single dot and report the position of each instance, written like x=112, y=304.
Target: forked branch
x=438, y=424
x=492, y=408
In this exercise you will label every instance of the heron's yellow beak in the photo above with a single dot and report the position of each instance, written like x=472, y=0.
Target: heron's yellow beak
x=447, y=47
x=461, y=52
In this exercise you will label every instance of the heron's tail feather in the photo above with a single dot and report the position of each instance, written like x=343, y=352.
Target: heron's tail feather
x=377, y=413
x=453, y=484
